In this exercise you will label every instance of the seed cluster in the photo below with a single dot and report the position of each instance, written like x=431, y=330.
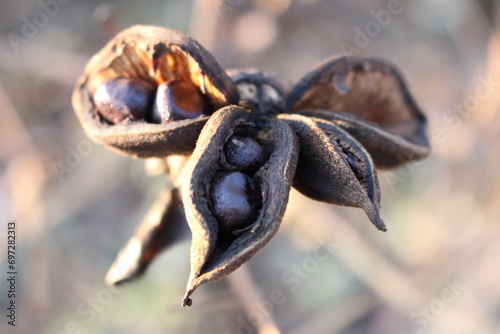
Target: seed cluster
x=235, y=195
x=121, y=99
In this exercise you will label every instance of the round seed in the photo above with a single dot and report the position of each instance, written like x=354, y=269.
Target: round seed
x=177, y=100
x=236, y=200
x=244, y=153
x=119, y=99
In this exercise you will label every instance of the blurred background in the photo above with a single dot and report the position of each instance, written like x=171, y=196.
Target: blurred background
x=328, y=270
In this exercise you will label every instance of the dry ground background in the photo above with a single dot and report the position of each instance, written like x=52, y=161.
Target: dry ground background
x=437, y=269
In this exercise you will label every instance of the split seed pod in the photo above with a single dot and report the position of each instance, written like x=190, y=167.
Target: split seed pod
x=213, y=254
x=369, y=99
x=152, y=55
x=249, y=142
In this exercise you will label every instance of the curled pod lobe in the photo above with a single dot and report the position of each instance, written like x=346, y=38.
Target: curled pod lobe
x=369, y=99
x=163, y=226
x=154, y=57
x=220, y=244
x=334, y=167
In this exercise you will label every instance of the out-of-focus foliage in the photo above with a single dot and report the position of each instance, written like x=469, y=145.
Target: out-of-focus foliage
x=328, y=270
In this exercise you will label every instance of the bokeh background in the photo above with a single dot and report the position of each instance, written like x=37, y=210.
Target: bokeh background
x=437, y=269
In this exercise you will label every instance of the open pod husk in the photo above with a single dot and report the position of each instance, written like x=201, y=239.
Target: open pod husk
x=213, y=257
x=153, y=55
x=334, y=167
x=369, y=99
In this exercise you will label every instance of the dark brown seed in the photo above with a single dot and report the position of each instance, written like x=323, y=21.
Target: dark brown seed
x=177, y=100
x=236, y=201
x=244, y=153
x=120, y=98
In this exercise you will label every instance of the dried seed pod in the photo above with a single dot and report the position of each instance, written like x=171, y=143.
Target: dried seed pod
x=369, y=99
x=152, y=55
x=163, y=226
x=215, y=254
x=261, y=92
x=333, y=167
x=235, y=185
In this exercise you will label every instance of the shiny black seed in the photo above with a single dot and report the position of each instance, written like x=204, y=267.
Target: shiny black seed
x=245, y=153
x=236, y=200
x=177, y=100
x=119, y=99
